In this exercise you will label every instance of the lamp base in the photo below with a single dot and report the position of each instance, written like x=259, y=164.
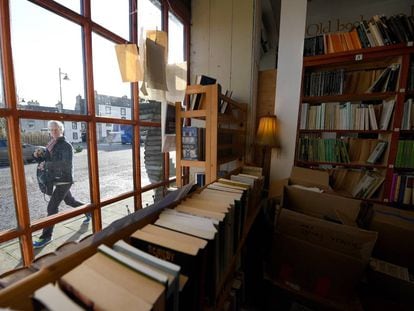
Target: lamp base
x=266, y=157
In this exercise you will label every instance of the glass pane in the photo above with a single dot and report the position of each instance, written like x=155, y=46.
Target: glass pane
x=7, y=207
x=10, y=256
x=149, y=17
x=153, y=196
x=74, y=5
x=55, y=59
x=175, y=40
x=35, y=136
x=112, y=96
x=65, y=233
x=114, y=160
x=113, y=15
x=117, y=210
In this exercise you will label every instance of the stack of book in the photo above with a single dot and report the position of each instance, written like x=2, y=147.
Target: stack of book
x=180, y=261
x=201, y=235
x=123, y=278
x=378, y=31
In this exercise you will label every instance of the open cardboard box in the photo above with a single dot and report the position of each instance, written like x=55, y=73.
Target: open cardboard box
x=303, y=177
x=395, y=229
x=317, y=256
x=322, y=205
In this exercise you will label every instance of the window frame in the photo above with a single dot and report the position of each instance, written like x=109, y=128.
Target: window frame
x=25, y=228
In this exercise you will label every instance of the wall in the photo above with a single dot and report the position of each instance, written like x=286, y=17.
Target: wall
x=335, y=16
x=289, y=69
x=223, y=46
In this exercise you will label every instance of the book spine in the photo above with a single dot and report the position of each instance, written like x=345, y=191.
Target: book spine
x=393, y=185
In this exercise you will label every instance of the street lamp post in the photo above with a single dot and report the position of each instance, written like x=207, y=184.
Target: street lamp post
x=60, y=82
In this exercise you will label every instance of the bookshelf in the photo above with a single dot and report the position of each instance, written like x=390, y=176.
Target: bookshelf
x=222, y=138
x=345, y=111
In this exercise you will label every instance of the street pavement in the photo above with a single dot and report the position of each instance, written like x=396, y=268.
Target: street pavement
x=115, y=177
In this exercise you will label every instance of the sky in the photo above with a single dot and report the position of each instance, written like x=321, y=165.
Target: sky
x=43, y=42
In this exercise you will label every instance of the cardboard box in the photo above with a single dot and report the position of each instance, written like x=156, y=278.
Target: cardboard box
x=303, y=177
x=318, y=256
x=322, y=205
x=395, y=229
x=391, y=281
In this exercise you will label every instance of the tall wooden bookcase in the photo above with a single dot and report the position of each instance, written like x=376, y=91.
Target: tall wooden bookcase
x=225, y=131
x=320, y=91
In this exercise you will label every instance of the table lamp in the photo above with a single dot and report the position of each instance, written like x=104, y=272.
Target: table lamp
x=267, y=138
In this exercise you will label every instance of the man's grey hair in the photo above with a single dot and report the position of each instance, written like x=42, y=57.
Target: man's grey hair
x=56, y=123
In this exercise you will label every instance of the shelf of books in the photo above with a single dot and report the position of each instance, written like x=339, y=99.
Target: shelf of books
x=356, y=117
x=209, y=134
x=182, y=253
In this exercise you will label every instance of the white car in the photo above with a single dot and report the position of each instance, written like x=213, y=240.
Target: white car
x=27, y=152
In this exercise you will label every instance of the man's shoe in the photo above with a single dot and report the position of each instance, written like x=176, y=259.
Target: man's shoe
x=87, y=219
x=41, y=242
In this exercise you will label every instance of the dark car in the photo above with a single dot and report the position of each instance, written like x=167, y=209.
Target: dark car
x=27, y=152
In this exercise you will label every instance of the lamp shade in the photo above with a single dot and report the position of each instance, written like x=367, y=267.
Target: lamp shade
x=267, y=132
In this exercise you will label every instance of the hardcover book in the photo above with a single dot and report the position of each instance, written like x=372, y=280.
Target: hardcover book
x=190, y=143
x=129, y=289
x=184, y=250
x=196, y=99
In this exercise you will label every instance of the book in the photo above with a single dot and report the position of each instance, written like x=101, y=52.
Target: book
x=53, y=298
x=184, y=250
x=93, y=279
x=216, y=252
x=367, y=185
x=185, y=223
x=387, y=110
x=200, y=178
x=201, y=227
x=170, y=270
x=377, y=153
x=408, y=191
x=197, y=98
x=190, y=143
x=380, y=83
x=224, y=103
x=372, y=118
x=253, y=170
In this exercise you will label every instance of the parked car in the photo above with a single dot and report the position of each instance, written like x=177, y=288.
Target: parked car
x=27, y=152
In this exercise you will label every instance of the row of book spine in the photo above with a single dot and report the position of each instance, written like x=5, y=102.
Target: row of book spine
x=338, y=82
x=343, y=150
x=401, y=191
x=408, y=115
x=346, y=116
x=193, y=143
x=323, y=150
x=405, y=152
x=321, y=83
x=378, y=31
